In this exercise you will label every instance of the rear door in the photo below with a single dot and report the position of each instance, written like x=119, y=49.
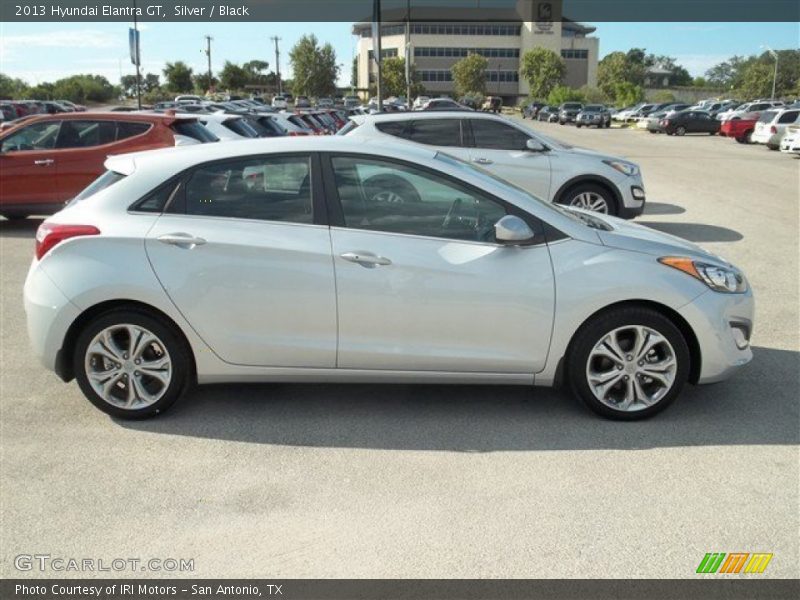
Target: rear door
x=501, y=149
x=244, y=253
x=82, y=148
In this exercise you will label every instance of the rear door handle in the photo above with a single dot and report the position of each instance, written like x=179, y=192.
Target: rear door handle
x=366, y=259
x=182, y=240
x=482, y=161
x=45, y=162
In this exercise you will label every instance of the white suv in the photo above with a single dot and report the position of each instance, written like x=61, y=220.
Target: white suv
x=772, y=125
x=506, y=148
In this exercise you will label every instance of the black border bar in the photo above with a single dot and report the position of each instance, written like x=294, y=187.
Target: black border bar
x=352, y=11
x=709, y=588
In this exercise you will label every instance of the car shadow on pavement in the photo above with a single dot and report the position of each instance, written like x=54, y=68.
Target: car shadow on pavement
x=19, y=228
x=759, y=406
x=663, y=208
x=696, y=232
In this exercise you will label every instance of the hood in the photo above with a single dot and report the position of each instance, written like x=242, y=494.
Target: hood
x=626, y=235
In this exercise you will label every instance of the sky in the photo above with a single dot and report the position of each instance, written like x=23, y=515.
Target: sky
x=38, y=52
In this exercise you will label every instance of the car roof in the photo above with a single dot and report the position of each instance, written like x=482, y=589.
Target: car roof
x=418, y=115
x=176, y=159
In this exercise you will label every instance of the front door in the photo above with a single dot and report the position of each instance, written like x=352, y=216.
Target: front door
x=28, y=173
x=422, y=284
x=240, y=255
x=502, y=150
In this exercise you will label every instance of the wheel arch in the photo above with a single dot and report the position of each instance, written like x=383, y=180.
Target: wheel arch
x=64, y=357
x=593, y=179
x=695, y=354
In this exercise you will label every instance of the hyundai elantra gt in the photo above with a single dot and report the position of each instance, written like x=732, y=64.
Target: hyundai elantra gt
x=298, y=260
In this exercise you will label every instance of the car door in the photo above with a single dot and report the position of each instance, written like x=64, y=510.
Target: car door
x=81, y=149
x=421, y=283
x=243, y=252
x=28, y=165
x=501, y=149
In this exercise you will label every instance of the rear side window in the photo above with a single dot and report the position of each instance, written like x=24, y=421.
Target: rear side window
x=126, y=129
x=395, y=128
x=194, y=130
x=275, y=188
x=105, y=180
x=85, y=134
x=241, y=127
x=789, y=117
x=435, y=132
x=347, y=128
x=157, y=200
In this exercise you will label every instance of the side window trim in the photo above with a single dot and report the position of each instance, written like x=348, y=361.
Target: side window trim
x=336, y=212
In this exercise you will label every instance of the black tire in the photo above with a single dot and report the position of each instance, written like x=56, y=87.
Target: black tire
x=395, y=184
x=593, y=331
x=568, y=195
x=578, y=125
x=652, y=131
x=174, y=343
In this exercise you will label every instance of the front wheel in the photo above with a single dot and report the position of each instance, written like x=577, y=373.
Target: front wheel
x=628, y=363
x=131, y=365
x=590, y=196
x=680, y=131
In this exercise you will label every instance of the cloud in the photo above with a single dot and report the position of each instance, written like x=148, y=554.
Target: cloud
x=698, y=64
x=86, y=38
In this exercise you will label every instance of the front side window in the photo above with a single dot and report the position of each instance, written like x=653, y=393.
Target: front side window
x=379, y=195
x=266, y=188
x=85, y=134
x=493, y=135
x=38, y=136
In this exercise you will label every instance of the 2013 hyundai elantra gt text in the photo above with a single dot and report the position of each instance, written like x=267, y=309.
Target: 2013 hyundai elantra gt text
x=294, y=260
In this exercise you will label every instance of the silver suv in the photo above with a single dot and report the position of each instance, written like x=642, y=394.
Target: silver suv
x=508, y=149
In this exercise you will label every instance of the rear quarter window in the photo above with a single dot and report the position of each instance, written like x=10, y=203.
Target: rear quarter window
x=127, y=129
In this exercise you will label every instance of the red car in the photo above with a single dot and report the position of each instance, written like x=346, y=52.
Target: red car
x=46, y=160
x=740, y=129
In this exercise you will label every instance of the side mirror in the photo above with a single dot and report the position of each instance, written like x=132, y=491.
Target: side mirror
x=512, y=229
x=535, y=145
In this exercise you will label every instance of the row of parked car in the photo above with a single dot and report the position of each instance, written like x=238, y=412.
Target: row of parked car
x=14, y=109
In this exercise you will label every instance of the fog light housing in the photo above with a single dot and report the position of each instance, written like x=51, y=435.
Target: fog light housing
x=637, y=192
x=741, y=334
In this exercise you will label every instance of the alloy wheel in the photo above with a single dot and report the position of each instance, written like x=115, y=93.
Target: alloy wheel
x=631, y=368
x=590, y=201
x=128, y=366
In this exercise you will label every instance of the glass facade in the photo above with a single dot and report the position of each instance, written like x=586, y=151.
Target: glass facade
x=444, y=75
x=385, y=53
x=462, y=52
x=574, y=53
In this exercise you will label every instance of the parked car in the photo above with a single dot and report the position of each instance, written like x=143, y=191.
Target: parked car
x=531, y=110
x=188, y=99
x=549, y=114
x=72, y=105
x=652, y=121
x=325, y=103
x=593, y=114
x=443, y=104
x=124, y=291
x=279, y=102
x=772, y=125
x=690, y=121
x=226, y=127
x=568, y=112
x=508, y=149
x=739, y=129
x=419, y=102
x=492, y=104
x=302, y=102
x=790, y=143
x=47, y=159
x=469, y=102
x=751, y=107
x=352, y=101
x=623, y=114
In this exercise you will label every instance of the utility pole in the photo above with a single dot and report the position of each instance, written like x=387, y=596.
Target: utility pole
x=208, y=55
x=408, y=54
x=276, y=39
x=138, y=59
x=377, y=50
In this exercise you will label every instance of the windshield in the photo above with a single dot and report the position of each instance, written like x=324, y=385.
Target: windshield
x=572, y=105
x=593, y=108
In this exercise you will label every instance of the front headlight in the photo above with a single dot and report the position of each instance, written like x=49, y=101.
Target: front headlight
x=720, y=279
x=623, y=167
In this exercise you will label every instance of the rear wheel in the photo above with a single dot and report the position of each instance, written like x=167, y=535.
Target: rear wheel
x=680, y=130
x=131, y=365
x=628, y=363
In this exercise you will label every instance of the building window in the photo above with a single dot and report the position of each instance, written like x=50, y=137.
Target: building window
x=437, y=29
x=385, y=53
x=444, y=75
x=574, y=53
x=425, y=51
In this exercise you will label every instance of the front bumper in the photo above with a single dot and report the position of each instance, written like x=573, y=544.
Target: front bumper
x=632, y=195
x=723, y=326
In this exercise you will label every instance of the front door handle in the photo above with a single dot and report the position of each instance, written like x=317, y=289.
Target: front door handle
x=45, y=162
x=482, y=161
x=366, y=259
x=182, y=240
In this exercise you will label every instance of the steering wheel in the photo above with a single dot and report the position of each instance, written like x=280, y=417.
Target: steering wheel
x=451, y=213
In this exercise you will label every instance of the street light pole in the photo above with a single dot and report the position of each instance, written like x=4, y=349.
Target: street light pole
x=775, y=73
x=276, y=39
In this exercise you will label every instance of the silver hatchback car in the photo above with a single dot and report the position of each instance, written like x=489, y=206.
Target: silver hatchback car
x=297, y=260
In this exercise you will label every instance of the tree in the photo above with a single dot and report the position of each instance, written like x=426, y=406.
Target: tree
x=233, y=76
x=314, y=66
x=562, y=93
x=128, y=85
x=663, y=96
x=469, y=75
x=699, y=82
x=203, y=83
x=543, y=69
x=628, y=94
x=178, y=76
x=593, y=94
x=757, y=81
x=619, y=67
x=255, y=71
x=393, y=73
x=150, y=82
x=11, y=87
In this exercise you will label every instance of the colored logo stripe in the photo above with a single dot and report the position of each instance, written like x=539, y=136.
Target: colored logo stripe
x=734, y=562
x=758, y=563
x=710, y=562
x=713, y=562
